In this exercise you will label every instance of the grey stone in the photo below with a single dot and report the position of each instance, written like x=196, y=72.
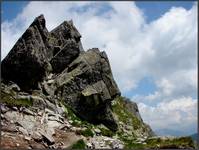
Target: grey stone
x=38, y=102
x=30, y=55
x=28, y=112
x=2, y=116
x=88, y=87
x=97, y=131
x=65, y=56
x=65, y=126
x=27, y=138
x=48, y=89
x=11, y=116
x=24, y=97
x=36, y=136
x=50, y=81
x=4, y=108
x=15, y=87
x=50, y=106
x=23, y=131
x=48, y=137
x=132, y=107
x=89, y=145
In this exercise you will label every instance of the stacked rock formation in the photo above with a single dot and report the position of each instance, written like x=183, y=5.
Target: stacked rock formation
x=82, y=79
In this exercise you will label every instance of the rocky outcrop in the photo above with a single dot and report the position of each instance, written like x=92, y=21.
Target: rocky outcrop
x=55, y=63
x=39, y=52
x=130, y=123
x=132, y=107
x=27, y=62
x=88, y=87
x=66, y=45
x=53, y=94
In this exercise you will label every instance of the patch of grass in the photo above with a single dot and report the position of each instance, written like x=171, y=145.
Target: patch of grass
x=125, y=116
x=107, y=132
x=158, y=143
x=78, y=122
x=181, y=142
x=10, y=100
x=129, y=142
x=80, y=144
x=131, y=145
x=87, y=133
x=69, y=112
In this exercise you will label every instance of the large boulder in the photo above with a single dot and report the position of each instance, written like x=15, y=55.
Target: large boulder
x=27, y=62
x=87, y=85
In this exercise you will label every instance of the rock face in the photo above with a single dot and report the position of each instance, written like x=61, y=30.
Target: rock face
x=88, y=87
x=82, y=80
x=66, y=45
x=132, y=107
x=39, y=52
x=27, y=62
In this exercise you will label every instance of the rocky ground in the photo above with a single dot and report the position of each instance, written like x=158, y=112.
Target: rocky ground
x=56, y=95
x=25, y=125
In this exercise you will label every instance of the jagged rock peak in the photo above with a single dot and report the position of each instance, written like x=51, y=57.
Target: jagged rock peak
x=39, y=21
x=39, y=52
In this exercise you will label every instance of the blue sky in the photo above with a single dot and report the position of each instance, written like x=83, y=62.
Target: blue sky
x=11, y=8
x=153, y=9
x=146, y=74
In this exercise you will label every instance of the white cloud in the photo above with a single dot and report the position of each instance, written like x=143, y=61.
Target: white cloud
x=177, y=114
x=164, y=49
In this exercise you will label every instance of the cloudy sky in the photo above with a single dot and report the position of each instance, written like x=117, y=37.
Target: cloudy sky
x=152, y=48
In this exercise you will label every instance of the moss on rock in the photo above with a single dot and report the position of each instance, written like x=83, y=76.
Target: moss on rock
x=11, y=100
x=87, y=133
x=80, y=144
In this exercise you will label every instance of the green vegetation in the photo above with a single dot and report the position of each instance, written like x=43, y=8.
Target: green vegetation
x=181, y=142
x=52, y=39
x=80, y=144
x=76, y=121
x=130, y=145
x=87, y=132
x=107, y=132
x=70, y=114
x=158, y=143
x=129, y=141
x=125, y=116
x=10, y=100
